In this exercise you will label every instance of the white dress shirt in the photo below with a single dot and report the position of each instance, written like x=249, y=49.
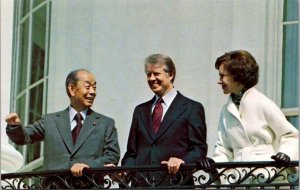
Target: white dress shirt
x=72, y=113
x=167, y=100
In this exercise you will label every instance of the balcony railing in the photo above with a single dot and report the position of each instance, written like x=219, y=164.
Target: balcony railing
x=229, y=175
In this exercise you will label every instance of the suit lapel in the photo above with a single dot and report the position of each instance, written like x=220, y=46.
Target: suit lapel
x=176, y=108
x=146, y=118
x=64, y=127
x=89, y=125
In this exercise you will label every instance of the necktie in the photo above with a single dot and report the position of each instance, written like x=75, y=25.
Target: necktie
x=157, y=115
x=77, y=128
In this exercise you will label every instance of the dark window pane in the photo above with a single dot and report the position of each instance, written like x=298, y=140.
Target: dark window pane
x=294, y=120
x=33, y=151
x=23, y=56
x=38, y=44
x=35, y=113
x=36, y=103
x=20, y=109
x=37, y=63
x=25, y=7
x=290, y=12
x=37, y=2
x=290, y=88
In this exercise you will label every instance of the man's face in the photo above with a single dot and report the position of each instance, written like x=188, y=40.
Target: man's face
x=84, y=92
x=227, y=82
x=158, y=80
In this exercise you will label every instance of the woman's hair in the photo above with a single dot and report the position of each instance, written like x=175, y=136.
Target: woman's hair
x=241, y=65
x=169, y=66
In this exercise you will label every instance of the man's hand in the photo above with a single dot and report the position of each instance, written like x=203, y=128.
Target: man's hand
x=77, y=169
x=13, y=119
x=173, y=164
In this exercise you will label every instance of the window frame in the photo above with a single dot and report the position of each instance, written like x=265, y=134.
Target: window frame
x=19, y=20
x=288, y=111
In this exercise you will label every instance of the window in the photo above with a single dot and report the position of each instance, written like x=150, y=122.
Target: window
x=290, y=58
x=30, y=66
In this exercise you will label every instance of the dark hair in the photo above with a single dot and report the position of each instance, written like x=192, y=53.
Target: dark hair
x=73, y=79
x=241, y=65
x=162, y=59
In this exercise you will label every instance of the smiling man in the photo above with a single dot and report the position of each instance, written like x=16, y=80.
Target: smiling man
x=169, y=129
x=75, y=138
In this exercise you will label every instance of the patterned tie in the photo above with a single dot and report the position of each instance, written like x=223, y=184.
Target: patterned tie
x=157, y=115
x=76, y=130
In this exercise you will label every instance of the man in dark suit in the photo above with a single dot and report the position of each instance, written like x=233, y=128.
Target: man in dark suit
x=174, y=136
x=94, y=145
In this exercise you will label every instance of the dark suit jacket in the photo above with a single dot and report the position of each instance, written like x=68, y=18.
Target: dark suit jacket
x=182, y=134
x=97, y=143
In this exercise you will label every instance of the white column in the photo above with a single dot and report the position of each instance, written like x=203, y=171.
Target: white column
x=11, y=159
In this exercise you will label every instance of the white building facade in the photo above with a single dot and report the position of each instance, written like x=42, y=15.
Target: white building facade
x=112, y=38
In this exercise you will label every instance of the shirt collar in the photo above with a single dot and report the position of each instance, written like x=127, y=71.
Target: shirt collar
x=73, y=112
x=167, y=98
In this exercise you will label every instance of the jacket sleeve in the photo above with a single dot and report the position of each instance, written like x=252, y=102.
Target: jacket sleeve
x=26, y=135
x=197, y=146
x=286, y=135
x=223, y=151
x=129, y=158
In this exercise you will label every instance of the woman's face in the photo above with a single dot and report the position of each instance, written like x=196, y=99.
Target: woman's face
x=227, y=82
